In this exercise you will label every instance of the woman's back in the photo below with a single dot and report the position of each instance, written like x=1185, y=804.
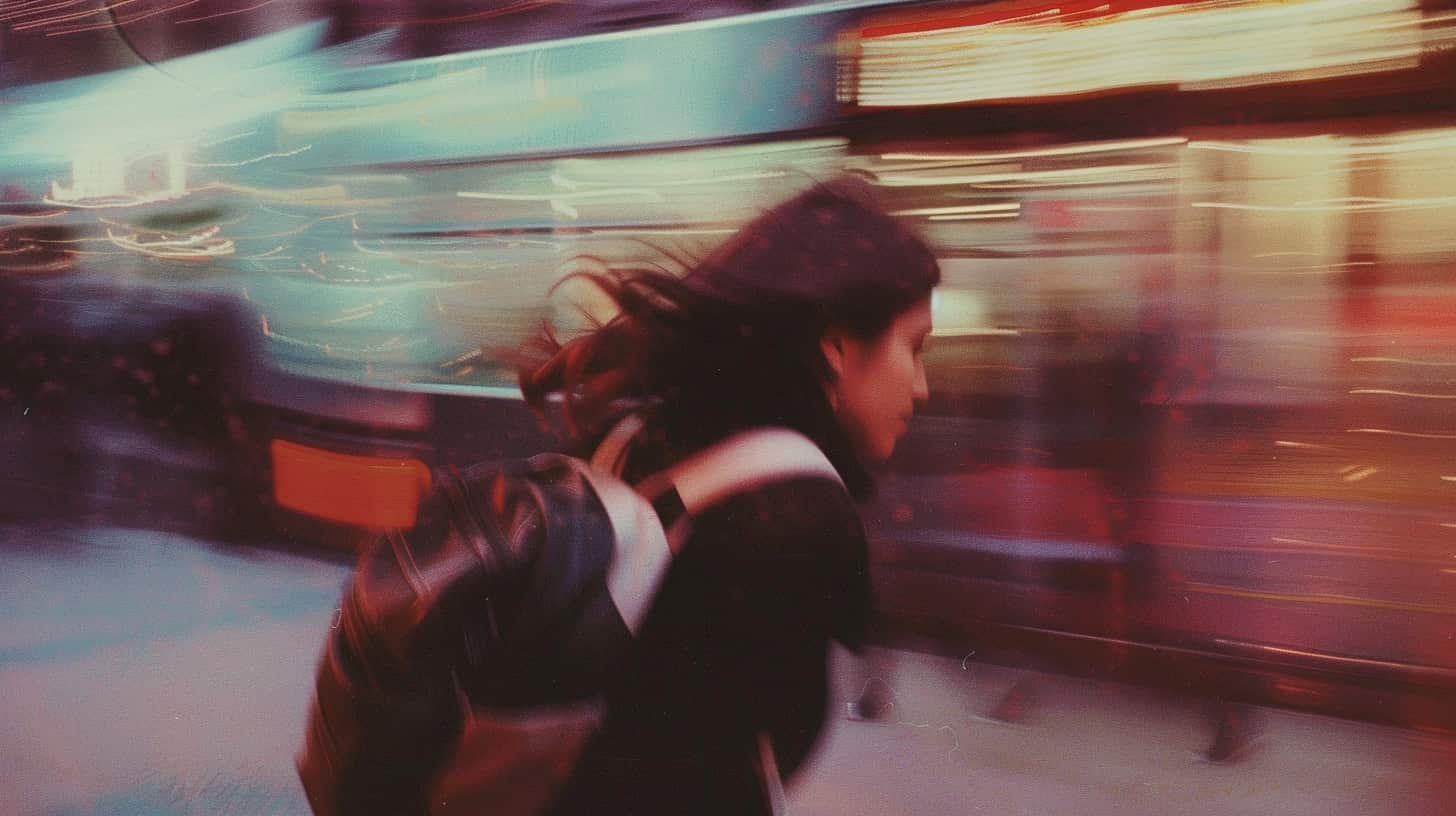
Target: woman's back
x=735, y=647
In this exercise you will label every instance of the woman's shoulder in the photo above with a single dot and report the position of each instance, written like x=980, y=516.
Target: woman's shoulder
x=792, y=514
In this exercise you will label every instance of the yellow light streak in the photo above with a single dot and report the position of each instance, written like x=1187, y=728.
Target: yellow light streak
x=1402, y=361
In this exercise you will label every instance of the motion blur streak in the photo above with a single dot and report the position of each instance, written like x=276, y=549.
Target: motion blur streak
x=1195, y=46
x=264, y=266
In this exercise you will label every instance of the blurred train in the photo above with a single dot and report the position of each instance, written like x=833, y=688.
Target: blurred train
x=1194, y=364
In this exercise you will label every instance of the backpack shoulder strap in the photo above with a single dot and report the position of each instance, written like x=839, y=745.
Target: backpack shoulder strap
x=740, y=463
x=644, y=550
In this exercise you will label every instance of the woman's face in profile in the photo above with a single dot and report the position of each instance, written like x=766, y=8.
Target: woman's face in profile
x=879, y=380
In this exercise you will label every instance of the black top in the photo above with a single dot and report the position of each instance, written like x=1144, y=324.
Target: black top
x=735, y=645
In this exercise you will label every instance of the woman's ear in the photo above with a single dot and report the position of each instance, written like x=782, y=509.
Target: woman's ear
x=831, y=344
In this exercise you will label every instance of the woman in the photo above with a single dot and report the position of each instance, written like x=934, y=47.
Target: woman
x=811, y=318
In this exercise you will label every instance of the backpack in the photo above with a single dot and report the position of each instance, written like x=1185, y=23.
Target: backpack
x=465, y=667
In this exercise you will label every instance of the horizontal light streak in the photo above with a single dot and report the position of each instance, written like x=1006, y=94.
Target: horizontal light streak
x=661, y=231
x=977, y=217
x=1190, y=46
x=1417, y=141
x=113, y=22
x=974, y=333
x=1335, y=205
x=194, y=247
x=116, y=202
x=1281, y=540
x=1385, y=392
x=1412, y=434
x=1318, y=598
x=639, y=193
x=1402, y=361
x=1065, y=150
x=226, y=13
x=758, y=175
x=32, y=216
x=1128, y=172
x=254, y=160
x=964, y=209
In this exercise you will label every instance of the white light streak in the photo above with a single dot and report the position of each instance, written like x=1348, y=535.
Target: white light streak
x=660, y=231
x=1278, y=540
x=640, y=193
x=359, y=314
x=300, y=229
x=974, y=333
x=1335, y=205
x=965, y=209
x=1286, y=444
x=1361, y=474
x=232, y=138
x=1064, y=150
x=981, y=217
x=118, y=202
x=35, y=216
x=1412, y=434
x=198, y=246
x=1389, y=393
x=1411, y=142
x=255, y=160
x=760, y=175
x=1071, y=175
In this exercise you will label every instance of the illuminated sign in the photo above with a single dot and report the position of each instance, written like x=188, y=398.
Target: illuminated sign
x=1026, y=51
x=682, y=84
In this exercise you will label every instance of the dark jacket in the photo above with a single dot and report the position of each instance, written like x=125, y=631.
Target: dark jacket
x=735, y=645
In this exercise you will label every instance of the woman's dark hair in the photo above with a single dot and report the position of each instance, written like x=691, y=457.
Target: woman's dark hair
x=735, y=343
